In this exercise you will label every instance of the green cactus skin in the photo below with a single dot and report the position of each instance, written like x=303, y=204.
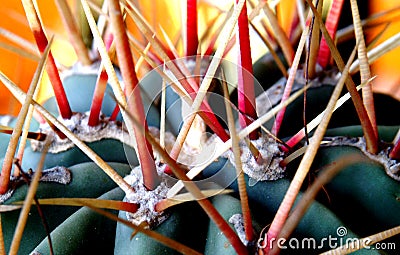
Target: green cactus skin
x=187, y=224
x=362, y=191
x=265, y=197
x=362, y=195
x=80, y=88
x=88, y=180
x=121, y=153
x=267, y=73
x=386, y=133
x=216, y=241
x=84, y=232
x=317, y=99
x=267, y=65
x=73, y=156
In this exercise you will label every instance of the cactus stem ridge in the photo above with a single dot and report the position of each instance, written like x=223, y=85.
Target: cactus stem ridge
x=392, y=167
x=57, y=174
x=79, y=124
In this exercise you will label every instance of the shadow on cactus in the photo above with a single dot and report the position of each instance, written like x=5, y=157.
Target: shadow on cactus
x=149, y=147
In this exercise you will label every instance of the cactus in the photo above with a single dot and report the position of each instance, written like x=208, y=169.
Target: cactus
x=159, y=144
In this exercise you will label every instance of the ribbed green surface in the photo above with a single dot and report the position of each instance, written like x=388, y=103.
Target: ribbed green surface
x=186, y=224
x=88, y=180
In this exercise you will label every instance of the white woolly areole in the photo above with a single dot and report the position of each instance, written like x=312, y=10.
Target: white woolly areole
x=106, y=129
x=78, y=124
x=146, y=199
x=266, y=170
x=238, y=223
x=392, y=167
